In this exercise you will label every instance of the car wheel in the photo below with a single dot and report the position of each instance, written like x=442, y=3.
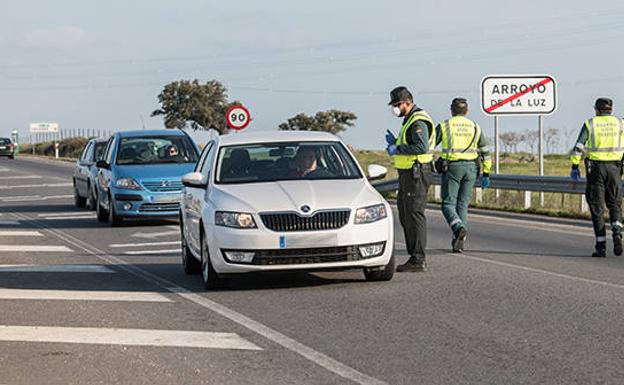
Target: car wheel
x=102, y=215
x=190, y=264
x=384, y=273
x=113, y=219
x=11, y=156
x=210, y=278
x=91, y=198
x=79, y=201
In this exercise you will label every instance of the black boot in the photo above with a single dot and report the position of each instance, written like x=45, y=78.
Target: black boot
x=617, y=243
x=458, y=241
x=601, y=250
x=413, y=265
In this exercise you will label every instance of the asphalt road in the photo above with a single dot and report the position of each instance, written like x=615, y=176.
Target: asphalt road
x=524, y=305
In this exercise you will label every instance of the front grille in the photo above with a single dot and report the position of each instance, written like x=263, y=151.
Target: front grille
x=169, y=185
x=324, y=220
x=159, y=207
x=303, y=256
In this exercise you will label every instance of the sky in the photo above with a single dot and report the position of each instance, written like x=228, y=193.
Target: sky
x=101, y=64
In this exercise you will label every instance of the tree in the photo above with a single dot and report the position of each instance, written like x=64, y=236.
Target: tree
x=551, y=137
x=511, y=140
x=187, y=103
x=531, y=137
x=333, y=121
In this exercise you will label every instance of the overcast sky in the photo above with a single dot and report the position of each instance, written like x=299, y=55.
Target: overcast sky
x=101, y=64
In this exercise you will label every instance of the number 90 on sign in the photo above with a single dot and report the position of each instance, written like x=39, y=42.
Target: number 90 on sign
x=237, y=117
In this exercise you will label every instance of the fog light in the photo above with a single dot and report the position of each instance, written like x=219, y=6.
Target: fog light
x=127, y=206
x=239, y=256
x=372, y=250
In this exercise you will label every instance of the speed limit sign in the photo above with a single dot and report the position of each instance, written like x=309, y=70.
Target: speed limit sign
x=237, y=117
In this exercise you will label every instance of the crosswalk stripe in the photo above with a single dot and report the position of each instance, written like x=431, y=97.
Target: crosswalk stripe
x=146, y=244
x=16, y=233
x=43, y=185
x=30, y=198
x=67, y=268
x=32, y=248
x=150, y=252
x=68, y=213
x=82, y=295
x=4, y=177
x=135, y=337
x=85, y=216
x=6, y=223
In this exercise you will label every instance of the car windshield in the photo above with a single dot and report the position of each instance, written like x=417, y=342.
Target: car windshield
x=5, y=141
x=285, y=161
x=156, y=149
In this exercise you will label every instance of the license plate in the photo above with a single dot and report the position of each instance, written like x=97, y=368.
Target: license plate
x=167, y=199
x=308, y=240
x=2, y=147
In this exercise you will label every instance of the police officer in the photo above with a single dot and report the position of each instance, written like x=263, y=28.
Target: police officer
x=413, y=160
x=463, y=147
x=600, y=140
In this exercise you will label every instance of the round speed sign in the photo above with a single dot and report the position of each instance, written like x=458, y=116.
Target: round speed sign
x=237, y=117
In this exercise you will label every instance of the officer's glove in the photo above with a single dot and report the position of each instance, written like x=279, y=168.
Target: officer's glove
x=392, y=149
x=390, y=138
x=485, y=180
x=575, y=173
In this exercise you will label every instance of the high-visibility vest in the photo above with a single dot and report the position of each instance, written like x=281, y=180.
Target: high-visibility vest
x=460, y=137
x=604, y=142
x=405, y=162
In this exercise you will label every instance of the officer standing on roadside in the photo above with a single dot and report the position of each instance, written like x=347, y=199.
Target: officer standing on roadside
x=600, y=140
x=463, y=147
x=413, y=160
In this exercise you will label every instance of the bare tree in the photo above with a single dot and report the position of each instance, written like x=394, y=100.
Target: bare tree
x=551, y=137
x=531, y=138
x=508, y=139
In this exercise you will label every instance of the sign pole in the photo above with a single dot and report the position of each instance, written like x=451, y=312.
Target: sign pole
x=540, y=124
x=496, y=151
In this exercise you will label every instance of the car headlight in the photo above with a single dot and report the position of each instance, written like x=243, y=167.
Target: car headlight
x=235, y=220
x=127, y=183
x=370, y=214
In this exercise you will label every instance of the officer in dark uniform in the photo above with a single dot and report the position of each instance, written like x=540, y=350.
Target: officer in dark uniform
x=411, y=152
x=601, y=141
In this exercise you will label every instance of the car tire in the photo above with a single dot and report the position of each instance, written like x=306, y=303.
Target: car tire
x=190, y=264
x=102, y=214
x=11, y=156
x=113, y=219
x=210, y=278
x=384, y=274
x=91, y=198
x=79, y=201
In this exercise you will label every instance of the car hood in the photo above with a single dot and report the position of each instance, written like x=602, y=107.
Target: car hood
x=292, y=195
x=154, y=171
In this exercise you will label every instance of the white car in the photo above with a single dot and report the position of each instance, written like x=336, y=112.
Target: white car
x=283, y=201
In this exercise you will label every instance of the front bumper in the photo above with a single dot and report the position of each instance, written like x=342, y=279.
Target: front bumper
x=130, y=203
x=302, y=250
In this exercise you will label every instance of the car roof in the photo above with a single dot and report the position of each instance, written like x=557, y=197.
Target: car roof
x=138, y=133
x=276, y=136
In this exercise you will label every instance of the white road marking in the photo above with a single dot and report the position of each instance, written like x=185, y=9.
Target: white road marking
x=55, y=269
x=156, y=235
x=69, y=213
x=3, y=169
x=82, y=295
x=146, y=244
x=85, y=216
x=21, y=177
x=30, y=198
x=7, y=223
x=17, y=233
x=43, y=185
x=152, y=252
x=135, y=337
x=31, y=248
x=305, y=351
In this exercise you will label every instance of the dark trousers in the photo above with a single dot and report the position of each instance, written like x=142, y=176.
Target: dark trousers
x=604, y=186
x=457, y=184
x=411, y=202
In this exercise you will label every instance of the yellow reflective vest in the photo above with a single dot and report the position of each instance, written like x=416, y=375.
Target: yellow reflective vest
x=405, y=162
x=604, y=140
x=460, y=136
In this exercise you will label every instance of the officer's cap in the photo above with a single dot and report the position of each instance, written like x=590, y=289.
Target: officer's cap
x=400, y=94
x=603, y=104
x=459, y=102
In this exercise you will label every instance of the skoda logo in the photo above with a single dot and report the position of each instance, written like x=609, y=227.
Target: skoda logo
x=305, y=209
x=165, y=183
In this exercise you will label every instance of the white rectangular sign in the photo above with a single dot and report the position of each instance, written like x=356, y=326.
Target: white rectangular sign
x=44, y=127
x=518, y=95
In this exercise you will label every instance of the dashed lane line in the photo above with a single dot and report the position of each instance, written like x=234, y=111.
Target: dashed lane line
x=288, y=343
x=35, y=249
x=42, y=185
x=63, y=268
x=145, y=244
x=19, y=233
x=81, y=295
x=13, y=177
x=85, y=216
x=33, y=198
x=134, y=337
x=152, y=252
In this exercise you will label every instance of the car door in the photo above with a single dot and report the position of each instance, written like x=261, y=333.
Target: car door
x=81, y=174
x=105, y=174
x=195, y=196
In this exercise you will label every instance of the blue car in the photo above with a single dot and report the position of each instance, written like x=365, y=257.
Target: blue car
x=85, y=174
x=140, y=174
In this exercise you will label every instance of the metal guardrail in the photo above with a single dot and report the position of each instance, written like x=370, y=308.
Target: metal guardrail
x=555, y=184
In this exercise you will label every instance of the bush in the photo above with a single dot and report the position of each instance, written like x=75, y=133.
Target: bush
x=68, y=148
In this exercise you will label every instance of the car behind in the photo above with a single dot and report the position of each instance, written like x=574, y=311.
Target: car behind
x=7, y=148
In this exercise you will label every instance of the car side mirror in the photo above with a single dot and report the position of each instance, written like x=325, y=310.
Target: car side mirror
x=376, y=172
x=194, y=179
x=102, y=164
